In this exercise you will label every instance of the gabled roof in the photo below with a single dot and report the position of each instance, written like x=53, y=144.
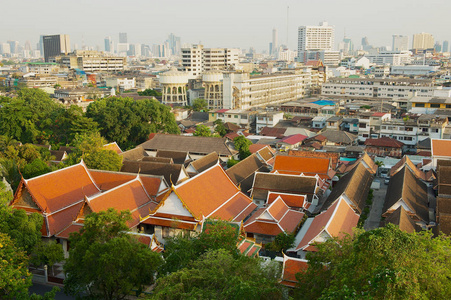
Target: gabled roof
x=405, y=161
x=178, y=157
x=171, y=172
x=444, y=178
x=297, y=165
x=337, y=220
x=384, y=142
x=191, y=144
x=205, y=162
x=293, y=139
x=334, y=157
x=59, y=155
x=256, y=147
x=339, y=137
x=134, y=154
x=166, y=160
x=248, y=247
x=400, y=218
x=274, y=219
x=292, y=266
x=411, y=190
x=355, y=185
x=273, y=131
x=212, y=194
x=290, y=184
x=292, y=200
x=130, y=196
x=267, y=153
x=444, y=215
x=242, y=174
x=441, y=147
x=113, y=146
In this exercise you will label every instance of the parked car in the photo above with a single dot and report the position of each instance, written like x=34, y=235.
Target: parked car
x=387, y=180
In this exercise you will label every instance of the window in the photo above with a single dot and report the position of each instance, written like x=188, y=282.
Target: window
x=362, y=125
x=235, y=116
x=384, y=127
x=435, y=105
x=419, y=104
x=408, y=138
x=409, y=129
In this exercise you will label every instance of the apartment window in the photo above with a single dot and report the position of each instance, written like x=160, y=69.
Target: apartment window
x=424, y=129
x=236, y=116
x=407, y=138
x=419, y=104
x=244, y=117
x=448, y=105
x=384, y=127
x=409, y=129
x=435, y=105
x=435, y=130
x=365, y=135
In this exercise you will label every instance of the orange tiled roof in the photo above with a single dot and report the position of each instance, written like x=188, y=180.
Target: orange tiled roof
x=59, y=189
x=441, y=147
x=292, y=266
x=274, y=219
x=235, y=209
x=338, y=218
x=298, y=165
x=74, y=227
x=292, y=200
x=130, y=196
x=204, y=194
x=58, y=221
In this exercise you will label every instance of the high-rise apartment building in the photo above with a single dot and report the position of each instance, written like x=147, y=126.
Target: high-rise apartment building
x=174, y=44
x=316, y=37
x=55, y=45
x=14, y=46
x=123, y=38
x=423, y=41
x=5, y=48
x=400, y=42
x=274, y=44
x=438, y=47
x=445, y=46
x=109, y=44
x=197, y=59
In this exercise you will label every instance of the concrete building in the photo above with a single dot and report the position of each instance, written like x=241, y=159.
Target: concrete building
x=328, y=57
x=422, y=41
x=5, y=48
x=40, y=68
x=241, y=90
x=287, y=55
x=121, y=83
x=197, y=59
x=123, y=38
x=274, y=44
x=445, y=47
x=173, y=84
x=109, y=44
x=413, y=70
x=212, y=82
x=267, y=119
x=93, y=61
x=400, y=42
x=55, y=45
x=316, y=37
x=393, y=58
x=395, y=88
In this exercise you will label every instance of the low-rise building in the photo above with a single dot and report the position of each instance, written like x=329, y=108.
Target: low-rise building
x=267, y=119
x=93, y=61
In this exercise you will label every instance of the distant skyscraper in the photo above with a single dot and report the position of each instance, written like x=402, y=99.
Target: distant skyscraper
x=400, y=42
x=423, y=41
x=346, y=45
x=13, y=46
x=316, y=37
x=123, y=38
x=55, y=45
x=438, y=47
x=365, y=44
x=445, y=46
x=275, y=44
x=174, y=44
x=108, y=44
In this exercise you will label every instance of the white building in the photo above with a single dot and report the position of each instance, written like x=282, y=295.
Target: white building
x=394, y=58
x=328, y=57
x=173, y=84
x=316, y=37
x=123, y=83
x=287, y=55
x=268, y=119
x=413, y=70
x=197, y=59
x=240, y=90
x=423, y=41
x=93, y=61
x=400, y=42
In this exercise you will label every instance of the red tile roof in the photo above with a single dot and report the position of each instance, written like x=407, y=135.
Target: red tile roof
x=293, y=139
x=302, y=165
x=441, y=147
x=256, y=147
x=292, y=266
x=333, y=156
x=338, y=218
x=384, y=142
x=292, y=200
x=378, y=114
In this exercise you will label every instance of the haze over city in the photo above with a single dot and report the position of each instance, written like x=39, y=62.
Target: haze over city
x=233, y=23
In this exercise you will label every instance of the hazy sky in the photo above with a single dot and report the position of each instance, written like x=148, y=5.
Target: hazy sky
x=236, y=23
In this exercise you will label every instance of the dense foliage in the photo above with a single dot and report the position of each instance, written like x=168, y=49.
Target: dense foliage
x=130, y=122
x=150, y=92
x=107, y=262
x=242, y=146
x=200, y=104
x=384, y=263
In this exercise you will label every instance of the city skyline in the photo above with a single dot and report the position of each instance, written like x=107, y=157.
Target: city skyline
x=238, y=24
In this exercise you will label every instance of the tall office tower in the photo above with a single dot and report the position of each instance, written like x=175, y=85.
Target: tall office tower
x=438, y=47
x=41, y=44
x=316, y=37
x=174, y=44
x=123, y=38
x=346, y=46
x=400, y=42
x=55, y=45
x=13, y=46
x=445, y=46
x=5, y=48
x=423, y=41
x=108, y=44
x=275, y=44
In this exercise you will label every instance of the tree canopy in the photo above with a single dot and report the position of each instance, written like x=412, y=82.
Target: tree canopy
x=202, y=130
x=130, y=122
x=200, y=104
x=150, y=92
x=107, y=262
x=384, y=263
x=242, y=146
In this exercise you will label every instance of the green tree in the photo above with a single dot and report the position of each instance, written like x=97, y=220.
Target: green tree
x=220, y=127
x=47, y=253
x=35, y=168
x=384, y=263
x=105, y=261
x=130, y=122
x=218, y=274
x=15, y=278
x=150, y=93
x=282, y=242
x=107, y=160
x=183, y=249
x=202, y=130
x=242, y=146
x=200, y=104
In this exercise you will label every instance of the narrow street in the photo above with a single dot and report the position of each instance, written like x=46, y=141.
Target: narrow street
x=374, y=217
